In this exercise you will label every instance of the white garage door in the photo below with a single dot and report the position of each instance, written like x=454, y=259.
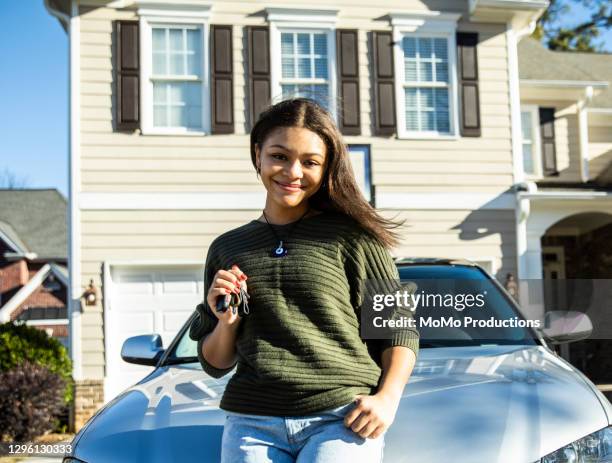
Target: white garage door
x=145, y=300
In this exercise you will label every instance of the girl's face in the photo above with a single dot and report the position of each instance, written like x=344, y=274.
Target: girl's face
x=292, y=162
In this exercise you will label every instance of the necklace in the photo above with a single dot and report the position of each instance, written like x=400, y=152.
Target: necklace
x=280, y=250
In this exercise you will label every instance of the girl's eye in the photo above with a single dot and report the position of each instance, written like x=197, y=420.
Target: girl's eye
x=312, y=163
x=278, y=156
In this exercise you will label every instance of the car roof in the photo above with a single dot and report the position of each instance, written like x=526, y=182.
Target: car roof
x=407, y=261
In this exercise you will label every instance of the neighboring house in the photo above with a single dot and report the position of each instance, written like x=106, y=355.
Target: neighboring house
x=33, y=272
x=565, y=225
x=163, y=95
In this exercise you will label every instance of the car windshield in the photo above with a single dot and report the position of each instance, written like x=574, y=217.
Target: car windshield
x=498, y=306
x=480, y=328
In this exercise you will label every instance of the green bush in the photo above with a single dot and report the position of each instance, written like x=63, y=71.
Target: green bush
x=20, y=342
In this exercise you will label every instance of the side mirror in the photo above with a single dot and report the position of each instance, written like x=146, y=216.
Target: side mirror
x=144, y=349
x=566, y=326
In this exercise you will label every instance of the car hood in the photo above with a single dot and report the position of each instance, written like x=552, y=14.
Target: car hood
x=462, y=404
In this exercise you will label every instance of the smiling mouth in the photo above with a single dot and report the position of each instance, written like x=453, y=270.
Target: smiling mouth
x=288, y=187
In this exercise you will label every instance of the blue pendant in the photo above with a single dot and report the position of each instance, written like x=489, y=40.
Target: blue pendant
x=280, y=251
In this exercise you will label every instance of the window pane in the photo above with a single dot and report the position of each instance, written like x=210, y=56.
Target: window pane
x=159, y=116
x=409, y=45
x=428, y=121
x=159, y=63
x=442, y=121
x=528, y=158
x=303, y=44
x=176, y=40
x=304, y=68
x=289, y=91
x=159, y=93
x=410, y=70
x=426, y=100
x=425, y=47
x=442, y=72
x=411, y=98
x=287, y=67
x=194, y=43
x=177, y=65
x=286, y=43
x=441, y=49
x=526, y=125
x=320, y=44
x=321, y=68
x=159, y=40
x=425, y=71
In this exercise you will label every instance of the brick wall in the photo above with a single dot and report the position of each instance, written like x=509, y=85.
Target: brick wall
x=88, y=399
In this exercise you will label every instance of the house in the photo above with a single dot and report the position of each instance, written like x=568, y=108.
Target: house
x=565, y=214
x=33, y=272
x=162, y=98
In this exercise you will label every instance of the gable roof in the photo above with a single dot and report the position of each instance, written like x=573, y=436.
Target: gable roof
x=538, y=63
x=35, y=220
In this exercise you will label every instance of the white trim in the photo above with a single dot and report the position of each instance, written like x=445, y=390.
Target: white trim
x=57, y=272
x=556, y=195
x=243, y=200
x=515, y=105
x=51, y=321
x=255, y=201
x=172, y=15
x=512, y=4
x=562, y=83
x=298, y=25
x=175, y=9
x=536, y=143
x=444, y=201
x=600, y=110
x=314, y=18
x=74, y=213
x=435, y=25
x=583, y=137
x=9, y=242
x=14, y=302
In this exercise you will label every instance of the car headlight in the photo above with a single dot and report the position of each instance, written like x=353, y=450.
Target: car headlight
x=594, y=448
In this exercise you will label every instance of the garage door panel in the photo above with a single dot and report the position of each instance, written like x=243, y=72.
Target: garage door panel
x=146, y=301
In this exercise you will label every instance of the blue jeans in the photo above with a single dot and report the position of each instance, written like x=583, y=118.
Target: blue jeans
x=317, y=438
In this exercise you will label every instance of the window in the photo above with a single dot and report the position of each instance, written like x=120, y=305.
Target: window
x=426, y=84
x=303, y=55
x=175, y=71
x=426, y=81
x=177, y=77
x=530, y=140
x=305, y=66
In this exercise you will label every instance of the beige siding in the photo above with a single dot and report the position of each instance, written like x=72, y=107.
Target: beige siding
x=600, y=149
x=119, y=162
x=157, y=163
x=184, y=236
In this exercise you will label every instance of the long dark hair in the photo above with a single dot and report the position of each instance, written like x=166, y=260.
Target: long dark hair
x=339, y=191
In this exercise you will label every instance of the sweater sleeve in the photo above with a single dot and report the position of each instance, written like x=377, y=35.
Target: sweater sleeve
x=205, y=321
x=372, y=263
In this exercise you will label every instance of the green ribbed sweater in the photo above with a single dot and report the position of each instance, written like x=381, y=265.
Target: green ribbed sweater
x=300, y=351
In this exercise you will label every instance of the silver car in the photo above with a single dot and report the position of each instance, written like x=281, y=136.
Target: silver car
x=467, y=401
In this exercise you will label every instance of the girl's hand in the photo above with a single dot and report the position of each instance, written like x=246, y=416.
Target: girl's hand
x=373, y=414
x=224, y=283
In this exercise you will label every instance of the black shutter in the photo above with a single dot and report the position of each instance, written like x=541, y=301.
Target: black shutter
x=222, y=82
x=127, y=77
x=349, y=120
x=258, y=38
x=384, y=94
x=547, y=135
x=468, y=83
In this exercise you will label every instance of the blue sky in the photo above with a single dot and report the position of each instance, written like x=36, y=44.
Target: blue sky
x=34, y=93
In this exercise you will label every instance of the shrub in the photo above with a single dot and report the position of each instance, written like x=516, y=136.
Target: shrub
x=20, y=342
x=31, y=396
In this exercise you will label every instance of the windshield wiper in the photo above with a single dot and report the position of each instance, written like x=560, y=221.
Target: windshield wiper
x=179, y=360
